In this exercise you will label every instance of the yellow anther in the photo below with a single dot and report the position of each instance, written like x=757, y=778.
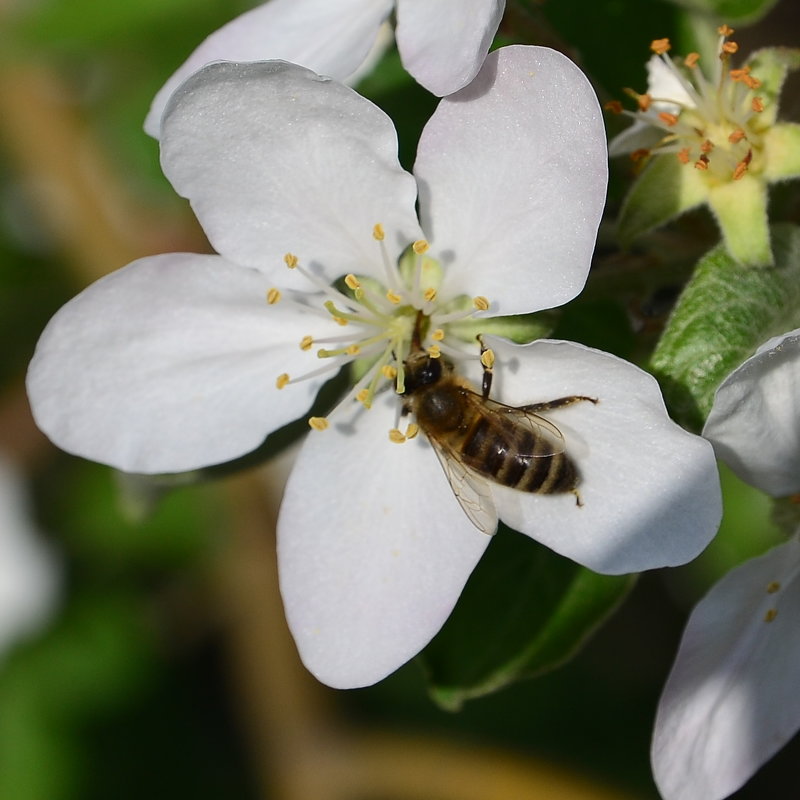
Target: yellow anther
x=290, y=259
x=729, y=48
x=353, y=350
x=318, y=423
x=393, y=297
x=351, y=281
x=282, y=380
x=273, y=295
x=644, y=101
x=725, y=30
x=487, y=358
x=389, y=372
x=340, y=321
x=757, y=105
x=396, y=436
x=377, y=232
x=683, y=155
x=738, y=75
x=668, y=119
x=365, y=398
x=306, y=342
x=736, y=136
x=707, y=146
x=429, y=294
x=740, y=169
x=412, y=430
x=660, y=46
x=701, y=163
x=481, y=303
x=420, y=247
x=691, y=60
x=770, y=615
x=434, y=351
x=773, y=587
x=437, y=335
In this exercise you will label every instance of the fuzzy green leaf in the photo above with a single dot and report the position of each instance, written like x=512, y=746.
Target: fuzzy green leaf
x=524, y=611
x=725, y=312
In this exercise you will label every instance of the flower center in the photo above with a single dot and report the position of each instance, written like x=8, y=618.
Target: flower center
x=709, y=122
x=382, y=321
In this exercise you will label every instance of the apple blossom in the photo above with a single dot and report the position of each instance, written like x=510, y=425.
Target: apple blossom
x=180, y=361
x=730, y=702
x=442, y=44
x=712, y=138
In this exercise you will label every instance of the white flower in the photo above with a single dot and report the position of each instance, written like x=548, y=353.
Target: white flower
x=731, y=700
x=178, y=361
x=442, y=43
x=29, y=576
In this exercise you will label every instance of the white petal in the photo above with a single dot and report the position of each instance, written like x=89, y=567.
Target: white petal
x=29, y=573
x=443, y=44
x=639, y=136
x=731, y=700
x=650, y=490
x=330, y=38
x=754, y=423
x=512, y=172
x=373, y=550
x=169, y=364
x=277, y=160
x=666, y=88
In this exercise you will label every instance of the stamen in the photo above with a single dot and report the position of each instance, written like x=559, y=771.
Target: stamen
x=429, y=294
x=282, y=380
x=365, y=398
x=306, y=342
x=318, y=423
x=434, y=351
x=291, y=260
x=352, y=282
x=742, y=166
x=437, y=335
x=773, y=587
x=639, y=155
x=487, y=358
x=393, y=297
x=412, y=430
x=757, y=105
x=691, y=60
x=729, y=48
x=273, y=296
x=683, y=155
x=396, y=436
x=377, y=232
x=668, y=119
x=389, y=372
x=481, y=303
x=736, y=136
x=770, y=615
x=420, y=247
x=725, y=30
x=614, y=106
x=660, y=46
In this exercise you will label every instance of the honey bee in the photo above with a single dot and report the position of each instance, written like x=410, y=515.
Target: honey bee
x=479, y=440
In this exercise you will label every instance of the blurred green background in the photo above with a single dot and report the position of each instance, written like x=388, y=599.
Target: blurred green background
x=164, y=668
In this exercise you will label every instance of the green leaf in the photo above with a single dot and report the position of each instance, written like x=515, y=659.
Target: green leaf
x=525, y=610
x=665, y=189
x=725, y=312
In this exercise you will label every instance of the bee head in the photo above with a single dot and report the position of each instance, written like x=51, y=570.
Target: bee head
x=422, y=370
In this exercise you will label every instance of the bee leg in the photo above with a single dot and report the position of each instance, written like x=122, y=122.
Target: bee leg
x=537, y=408
x=487, y=370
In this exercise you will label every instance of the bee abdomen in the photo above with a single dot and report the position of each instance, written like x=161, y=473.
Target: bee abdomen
x=519, y=460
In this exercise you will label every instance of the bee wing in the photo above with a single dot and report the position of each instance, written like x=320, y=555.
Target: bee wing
x=471, y=490
x=547, y=438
